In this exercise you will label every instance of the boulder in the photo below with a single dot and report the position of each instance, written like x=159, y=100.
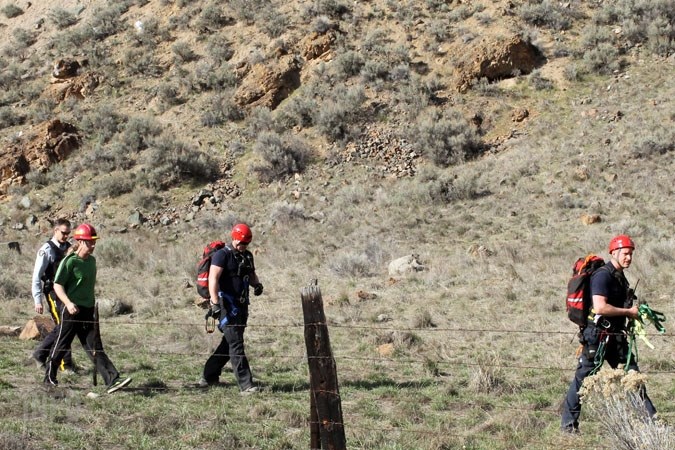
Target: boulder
x=405, y=264
x=37, y=328
x=497, y=60
x=6, y=330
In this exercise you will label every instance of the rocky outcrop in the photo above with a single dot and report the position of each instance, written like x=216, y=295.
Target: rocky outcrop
x=51, y=142
x=498, y=60
x=269, y=85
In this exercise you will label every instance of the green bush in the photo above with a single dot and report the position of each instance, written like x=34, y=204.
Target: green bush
x=169, y=162
x=139, y=61
x=212, y=18
x=281, y=155
x=138, y=131
x=445, y=137
x=9, y=117
x=219, y=49
x=11, y=10
x=220, y=109
x=334, y=116
x=107, y=21
x=547, y=13
x=183, y=52
x=114, y=184
x=209, y=76
x=103, y=123
x=62, y=18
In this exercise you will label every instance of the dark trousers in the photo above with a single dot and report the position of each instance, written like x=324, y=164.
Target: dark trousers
x=41, y=353
x=82, y=326
x=231, y=349
x=616, y=352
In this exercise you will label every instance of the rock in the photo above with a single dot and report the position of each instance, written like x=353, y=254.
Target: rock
x=590, y=219
x=110, y=307
x=6, y=330
x=136, y=218
x=269, y=85
x=405, y=264
x=383, y=318
x=37, y=328
x=477, y=250
x=25, y=202
x=50, y=142
x=385, y=350
x=497, y=60
x=66, y=68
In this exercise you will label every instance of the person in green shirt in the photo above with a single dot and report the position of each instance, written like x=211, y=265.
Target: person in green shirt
x=74, y=284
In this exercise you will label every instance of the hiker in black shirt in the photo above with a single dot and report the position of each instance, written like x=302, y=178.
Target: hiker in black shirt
x=232, y=272
x=48, y=258
x=612, y=306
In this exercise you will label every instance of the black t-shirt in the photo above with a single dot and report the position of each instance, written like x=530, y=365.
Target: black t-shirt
x=612, y=284
x=237, y=268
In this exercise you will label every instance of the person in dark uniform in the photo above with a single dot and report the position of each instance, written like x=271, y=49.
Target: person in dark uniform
x=231, y=274
x=605, y=334
x=47, y=261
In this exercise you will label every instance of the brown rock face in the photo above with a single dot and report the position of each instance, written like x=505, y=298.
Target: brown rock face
x=269, y=85
x=498, y=60
x=50, y=143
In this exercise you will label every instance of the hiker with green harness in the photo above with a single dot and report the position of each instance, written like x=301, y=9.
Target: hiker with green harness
x=606, y=336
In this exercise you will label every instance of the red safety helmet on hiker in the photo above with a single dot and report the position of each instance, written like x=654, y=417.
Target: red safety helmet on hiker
x=621, y=241
x=242, y=233
x=85, y=232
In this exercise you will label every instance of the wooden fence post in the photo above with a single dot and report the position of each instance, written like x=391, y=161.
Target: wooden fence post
x=325, y=403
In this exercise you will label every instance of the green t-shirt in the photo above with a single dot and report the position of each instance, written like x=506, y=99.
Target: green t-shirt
x=78, y=278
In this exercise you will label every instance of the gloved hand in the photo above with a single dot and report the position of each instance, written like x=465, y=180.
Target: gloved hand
x=257, y=289
x=215, y=310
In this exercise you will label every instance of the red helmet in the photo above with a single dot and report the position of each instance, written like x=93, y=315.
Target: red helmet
x=85, y=232
x=621, y=241
x=242, y=233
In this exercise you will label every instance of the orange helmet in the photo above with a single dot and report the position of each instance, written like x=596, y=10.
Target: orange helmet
x=242, y=233
x=85, y=232
x=621, y=241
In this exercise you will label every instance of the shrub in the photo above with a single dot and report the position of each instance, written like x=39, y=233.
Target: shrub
x=140, y=61
x=170, y=162
x=331, y=8
x=285, y=212
x=107, y=157
x=296, y=111
x=62, y=18
x=334, y=116
x=546, y=14
x=281, y=155
x=272, y=22
x=9, y=118
x=211, y=18
x=114, y=252
x=219, y=48
x=445, y=137
x=208, y=76
x=348, y=64
x=350, y=265
x=106, y=21
x=220, y=109
x=102, y=123
x=23, y=38
x=602, y=59
x=183, y=52
x=614, y=398
x=11, y=10
x=114, y=184
x=138, y=131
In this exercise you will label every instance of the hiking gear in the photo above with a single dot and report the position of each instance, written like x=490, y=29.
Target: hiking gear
x=48, y=276
x=242, y=233
x=118, y=384
x=257, y=289
x=203, y=267
x=637, y=328
x=579, y=299
x=85, y=232
x=621, y=241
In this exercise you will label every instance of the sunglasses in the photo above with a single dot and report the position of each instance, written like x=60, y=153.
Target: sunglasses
x=65, y=233
x=244, y=243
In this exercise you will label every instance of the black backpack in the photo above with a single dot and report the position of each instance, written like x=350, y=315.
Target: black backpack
x=579, y=300
x=203, y=267
x=50, y=271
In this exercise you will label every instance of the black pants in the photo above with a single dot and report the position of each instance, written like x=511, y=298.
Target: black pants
x=231, y=349
x=41, y=353
x=616, y=352
x=82, y=326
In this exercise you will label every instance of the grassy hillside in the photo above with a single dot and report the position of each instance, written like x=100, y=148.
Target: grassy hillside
x=475, y=351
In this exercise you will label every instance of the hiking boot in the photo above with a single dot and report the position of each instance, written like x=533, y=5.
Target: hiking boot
x=570, y=429
x=250, y=390
x=118, y=384
x=41, y=365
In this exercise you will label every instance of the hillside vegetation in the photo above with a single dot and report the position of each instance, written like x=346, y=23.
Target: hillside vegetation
x=496, y=141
